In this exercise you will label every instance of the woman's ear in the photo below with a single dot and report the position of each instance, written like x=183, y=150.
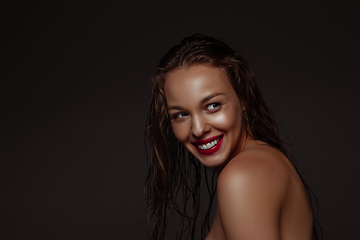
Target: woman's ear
x=242, y=104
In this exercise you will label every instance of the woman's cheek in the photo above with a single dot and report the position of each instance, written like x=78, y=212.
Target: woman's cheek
x=228, y=120
x=224, y=120
x=180, y=131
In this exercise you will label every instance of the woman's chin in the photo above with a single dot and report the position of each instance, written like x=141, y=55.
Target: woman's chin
x=214, y=160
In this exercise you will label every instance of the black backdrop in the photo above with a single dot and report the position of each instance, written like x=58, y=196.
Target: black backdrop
x=75, y=89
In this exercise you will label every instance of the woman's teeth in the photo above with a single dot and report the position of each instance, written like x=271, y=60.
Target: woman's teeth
x=209, y=145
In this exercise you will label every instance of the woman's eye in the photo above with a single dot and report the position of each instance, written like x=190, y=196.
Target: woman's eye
x=213, y=107
x=178, y=115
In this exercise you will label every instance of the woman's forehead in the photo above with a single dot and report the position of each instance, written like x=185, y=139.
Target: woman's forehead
x=195, y=83
x=191, y=75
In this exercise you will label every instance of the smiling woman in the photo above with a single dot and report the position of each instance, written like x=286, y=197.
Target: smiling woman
x=205, y=99
x=205, y=113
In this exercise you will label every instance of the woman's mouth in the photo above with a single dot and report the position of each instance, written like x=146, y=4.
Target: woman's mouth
x=208, y=146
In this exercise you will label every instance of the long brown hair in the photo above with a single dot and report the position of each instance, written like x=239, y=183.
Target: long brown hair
x=173, y=171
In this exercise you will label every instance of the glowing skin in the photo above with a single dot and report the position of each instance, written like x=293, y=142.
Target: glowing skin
x=260, y=195
x=205, y=112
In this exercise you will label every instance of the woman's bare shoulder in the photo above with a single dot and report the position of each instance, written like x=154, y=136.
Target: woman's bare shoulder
x=258, y=162
x=251, y=190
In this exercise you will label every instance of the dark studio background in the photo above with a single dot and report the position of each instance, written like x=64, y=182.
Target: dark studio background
x=75, y=87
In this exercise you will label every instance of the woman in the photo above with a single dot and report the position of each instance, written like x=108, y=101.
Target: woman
x=205, y=98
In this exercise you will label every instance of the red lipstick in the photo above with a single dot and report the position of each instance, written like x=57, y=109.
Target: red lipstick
x=211, y=150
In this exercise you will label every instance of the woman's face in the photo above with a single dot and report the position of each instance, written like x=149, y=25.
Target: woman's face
x=205, y=113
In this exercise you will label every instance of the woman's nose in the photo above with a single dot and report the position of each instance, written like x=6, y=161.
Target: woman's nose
x=199, y=126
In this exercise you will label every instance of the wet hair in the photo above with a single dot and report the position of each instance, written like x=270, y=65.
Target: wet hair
x=174, y=173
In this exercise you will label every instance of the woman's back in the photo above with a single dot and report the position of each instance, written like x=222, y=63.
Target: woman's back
x=261, y=196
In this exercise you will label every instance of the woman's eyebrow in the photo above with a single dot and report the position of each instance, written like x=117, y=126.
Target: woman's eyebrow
x=174, y=108
x=204, y=100
x=211, y=96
